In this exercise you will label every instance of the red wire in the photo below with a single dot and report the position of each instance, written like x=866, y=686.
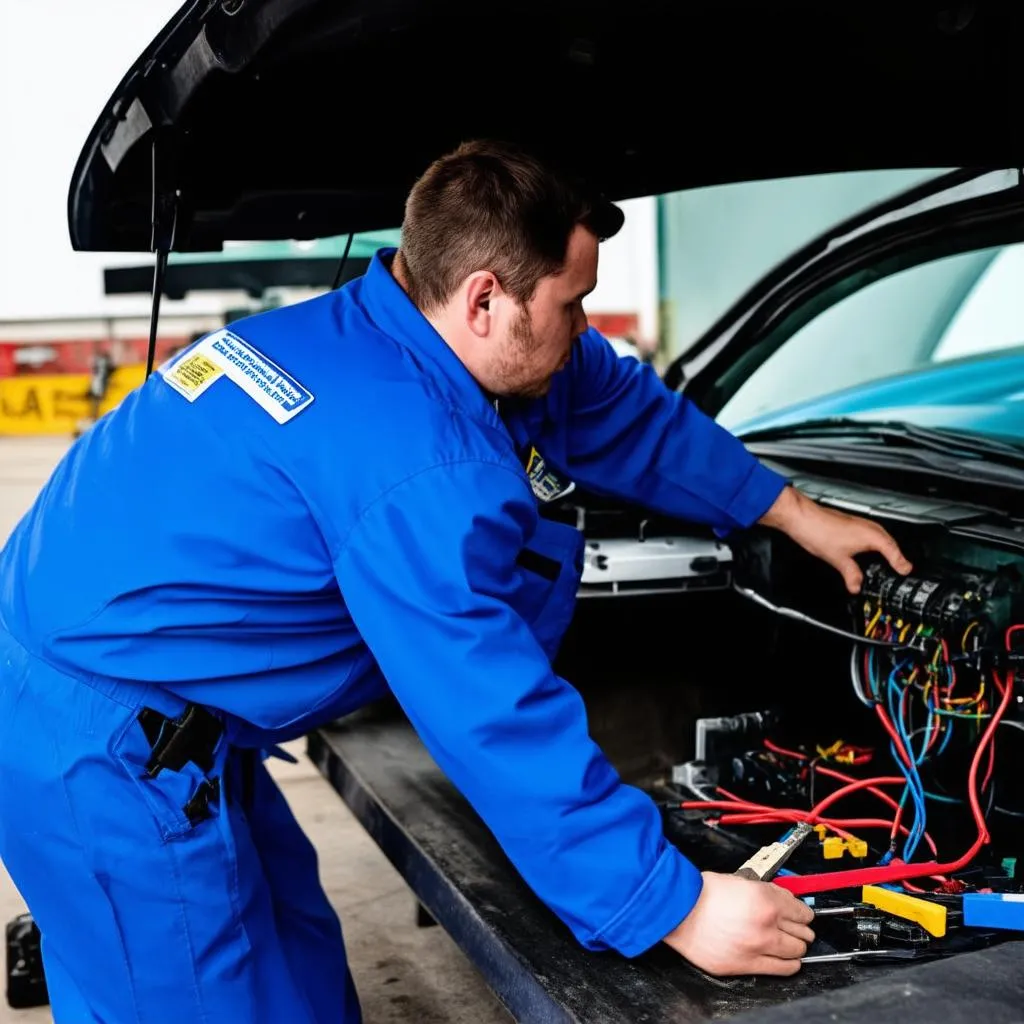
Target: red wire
x=952, y=670
x=782, y=818
x=775, y=749
x=991, y=766
x=746, y=812
x=992, y=747
x=893, y=735
x=870, y=785
x=815, y=814
x=899, y=872
x=743, y=813
x=852, y=787
x=901, y=750
x=789, y=814
x=895, y=871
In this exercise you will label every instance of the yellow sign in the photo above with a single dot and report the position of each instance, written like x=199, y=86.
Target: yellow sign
x=56, y=404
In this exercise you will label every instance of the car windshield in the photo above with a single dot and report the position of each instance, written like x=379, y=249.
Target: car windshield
x=937, y=345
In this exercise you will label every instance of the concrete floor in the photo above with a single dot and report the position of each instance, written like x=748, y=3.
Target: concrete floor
x=403, y=973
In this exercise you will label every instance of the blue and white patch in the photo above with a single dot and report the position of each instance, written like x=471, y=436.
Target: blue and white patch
x=225, y=354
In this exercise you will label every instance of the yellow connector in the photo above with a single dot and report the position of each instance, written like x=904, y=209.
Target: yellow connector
x=833, y=847
x=930, y=916
x=830, y=751
x=858, y=848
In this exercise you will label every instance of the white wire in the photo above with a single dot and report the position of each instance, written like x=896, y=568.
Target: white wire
x=856, y=680
x=792, y=613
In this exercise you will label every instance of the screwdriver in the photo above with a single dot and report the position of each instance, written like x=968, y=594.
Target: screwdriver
x=897, y=953
x=764, y=865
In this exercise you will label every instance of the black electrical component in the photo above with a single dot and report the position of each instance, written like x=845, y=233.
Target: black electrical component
x=759, y=777
x=950, y=603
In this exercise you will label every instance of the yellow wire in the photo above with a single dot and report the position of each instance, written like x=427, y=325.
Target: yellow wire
x=967, y=633
x=874, y=622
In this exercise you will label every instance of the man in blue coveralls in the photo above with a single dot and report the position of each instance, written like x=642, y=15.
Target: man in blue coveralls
x=320, y=505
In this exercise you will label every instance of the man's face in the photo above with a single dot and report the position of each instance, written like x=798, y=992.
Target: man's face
x=538, y=339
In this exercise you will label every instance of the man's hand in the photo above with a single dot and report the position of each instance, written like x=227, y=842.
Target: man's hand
x=833, y=536
x=738, y=926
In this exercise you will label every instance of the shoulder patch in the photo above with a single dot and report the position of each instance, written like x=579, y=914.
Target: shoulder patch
x=225, y=354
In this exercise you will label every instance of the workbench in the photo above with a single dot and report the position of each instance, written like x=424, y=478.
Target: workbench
x=460, y=875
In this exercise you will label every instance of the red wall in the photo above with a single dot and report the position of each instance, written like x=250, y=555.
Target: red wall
x=20, y=358
x=75, y=356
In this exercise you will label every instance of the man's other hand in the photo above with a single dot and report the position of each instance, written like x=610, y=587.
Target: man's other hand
x=739, y=926
x=833, y=536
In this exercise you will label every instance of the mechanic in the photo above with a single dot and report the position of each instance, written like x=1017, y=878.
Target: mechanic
x=321, y=505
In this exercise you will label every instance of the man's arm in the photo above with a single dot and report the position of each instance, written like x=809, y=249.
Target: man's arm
x=628, y=436
x=429, y=576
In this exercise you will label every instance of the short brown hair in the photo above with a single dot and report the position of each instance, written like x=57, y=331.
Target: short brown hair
x=493, y=206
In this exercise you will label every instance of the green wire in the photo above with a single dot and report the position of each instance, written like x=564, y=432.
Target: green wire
x=943, y=799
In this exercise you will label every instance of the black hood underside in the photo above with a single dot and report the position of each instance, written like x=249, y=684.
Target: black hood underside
x=268, y=119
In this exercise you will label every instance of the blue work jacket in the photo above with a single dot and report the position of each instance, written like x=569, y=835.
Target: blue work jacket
x=319, y=505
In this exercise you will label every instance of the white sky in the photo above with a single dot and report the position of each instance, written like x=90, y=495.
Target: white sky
x=60, y=60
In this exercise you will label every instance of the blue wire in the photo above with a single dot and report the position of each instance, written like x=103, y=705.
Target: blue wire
x=872, y=675
x=945, y=739
x=914, y=787
x=910, y=846
x=914, y=839
x=937, y=797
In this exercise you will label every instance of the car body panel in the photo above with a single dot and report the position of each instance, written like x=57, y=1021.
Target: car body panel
x=984, y=394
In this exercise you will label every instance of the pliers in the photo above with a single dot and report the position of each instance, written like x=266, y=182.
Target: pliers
x=764, y=865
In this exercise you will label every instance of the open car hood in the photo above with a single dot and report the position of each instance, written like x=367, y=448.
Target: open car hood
x=274, y=119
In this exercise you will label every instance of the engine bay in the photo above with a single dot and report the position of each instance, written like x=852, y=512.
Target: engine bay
x=754, y=693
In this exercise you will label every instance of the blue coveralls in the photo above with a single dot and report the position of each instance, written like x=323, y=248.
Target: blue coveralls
x=285, y=516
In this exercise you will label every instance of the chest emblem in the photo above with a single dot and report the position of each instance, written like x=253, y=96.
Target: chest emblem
x=547, y=485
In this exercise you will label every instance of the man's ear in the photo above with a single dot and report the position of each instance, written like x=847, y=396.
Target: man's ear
x=480, y=291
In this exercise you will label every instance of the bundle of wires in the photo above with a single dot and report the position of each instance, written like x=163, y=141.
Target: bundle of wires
x=892, y=706
x=935, y=682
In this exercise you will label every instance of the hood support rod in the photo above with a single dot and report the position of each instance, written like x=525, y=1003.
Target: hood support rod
x=159, y=269
x=164, y=222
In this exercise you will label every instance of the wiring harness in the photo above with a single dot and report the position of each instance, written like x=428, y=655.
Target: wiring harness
x=930, y=666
